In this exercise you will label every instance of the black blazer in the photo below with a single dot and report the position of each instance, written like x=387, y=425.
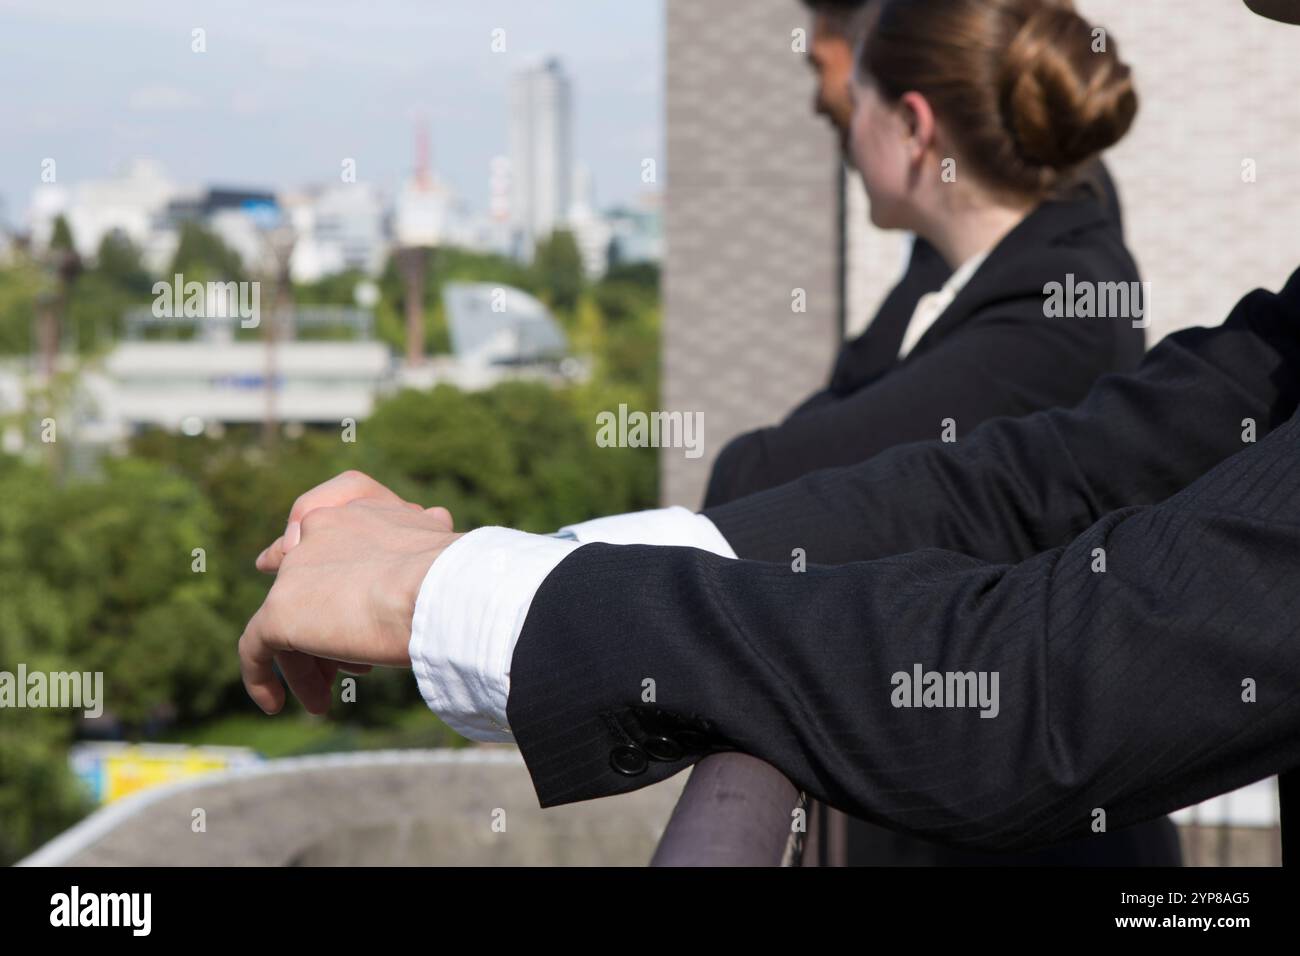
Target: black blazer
x=1121, y=690
x=875, y=351
x=992, y=352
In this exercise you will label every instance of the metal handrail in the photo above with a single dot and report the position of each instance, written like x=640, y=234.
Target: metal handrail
x=735, y=810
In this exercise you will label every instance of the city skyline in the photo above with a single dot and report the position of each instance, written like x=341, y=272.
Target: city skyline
x=126, y=85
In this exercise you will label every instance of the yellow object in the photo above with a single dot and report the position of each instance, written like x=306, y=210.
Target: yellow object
x=116, y=770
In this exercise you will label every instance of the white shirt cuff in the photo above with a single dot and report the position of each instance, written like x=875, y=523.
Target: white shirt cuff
x=670, y=527
x=468, y=617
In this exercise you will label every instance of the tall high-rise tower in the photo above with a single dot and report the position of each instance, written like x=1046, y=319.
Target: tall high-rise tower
x=541, y=150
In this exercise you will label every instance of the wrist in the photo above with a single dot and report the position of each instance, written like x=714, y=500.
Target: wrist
x=401, y=589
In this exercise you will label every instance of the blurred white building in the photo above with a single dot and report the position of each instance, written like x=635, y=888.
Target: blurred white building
x=591, y=231
x=499, y=325
x=497, y=333
x=132, y=203
x=191, y=386
x=422, y=212
x=541, y=151
x=215, y=379
x=340, y=227
x=242, y=234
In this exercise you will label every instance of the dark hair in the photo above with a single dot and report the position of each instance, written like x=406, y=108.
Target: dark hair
x=835, y=6
x=1283, y=11
x=841, y=13
x=1019, y=85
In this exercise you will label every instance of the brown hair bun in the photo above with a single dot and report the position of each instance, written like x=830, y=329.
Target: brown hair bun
x=1064, y=93
x=1026, y=90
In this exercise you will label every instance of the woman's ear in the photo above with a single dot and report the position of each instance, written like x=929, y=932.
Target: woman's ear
x=918, y=119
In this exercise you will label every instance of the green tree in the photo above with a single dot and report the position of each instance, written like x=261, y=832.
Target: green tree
x=39, y=795
x=96, y=305
x=522, y=454
x=620, y=300
x=118, y=262
x=61, y=238
x=100, y=575
x=20, y=286
x=557, y=266
x=644, y=275
x=201, y=256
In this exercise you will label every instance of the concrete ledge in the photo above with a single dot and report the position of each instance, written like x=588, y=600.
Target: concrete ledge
x=471, y=807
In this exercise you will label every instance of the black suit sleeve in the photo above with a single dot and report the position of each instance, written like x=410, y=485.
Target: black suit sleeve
x=1125, y=690
x=1014, y=487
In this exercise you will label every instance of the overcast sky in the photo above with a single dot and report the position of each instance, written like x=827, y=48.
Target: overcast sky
x=288, y=88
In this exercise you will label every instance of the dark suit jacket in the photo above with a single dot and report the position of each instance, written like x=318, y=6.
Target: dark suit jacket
x=1123, y=690
x=990, y=353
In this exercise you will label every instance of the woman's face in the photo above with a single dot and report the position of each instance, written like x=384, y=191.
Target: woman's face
x=880, y=141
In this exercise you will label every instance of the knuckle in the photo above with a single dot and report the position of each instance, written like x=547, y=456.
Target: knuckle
x=302, y=503
x=273, y=621
x=247, y=646
x=317, y=519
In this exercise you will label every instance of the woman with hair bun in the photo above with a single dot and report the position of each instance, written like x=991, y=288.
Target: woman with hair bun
x=1018, y=94
x=977, y=125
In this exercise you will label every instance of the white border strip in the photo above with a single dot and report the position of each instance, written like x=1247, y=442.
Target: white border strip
x=107, y=818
